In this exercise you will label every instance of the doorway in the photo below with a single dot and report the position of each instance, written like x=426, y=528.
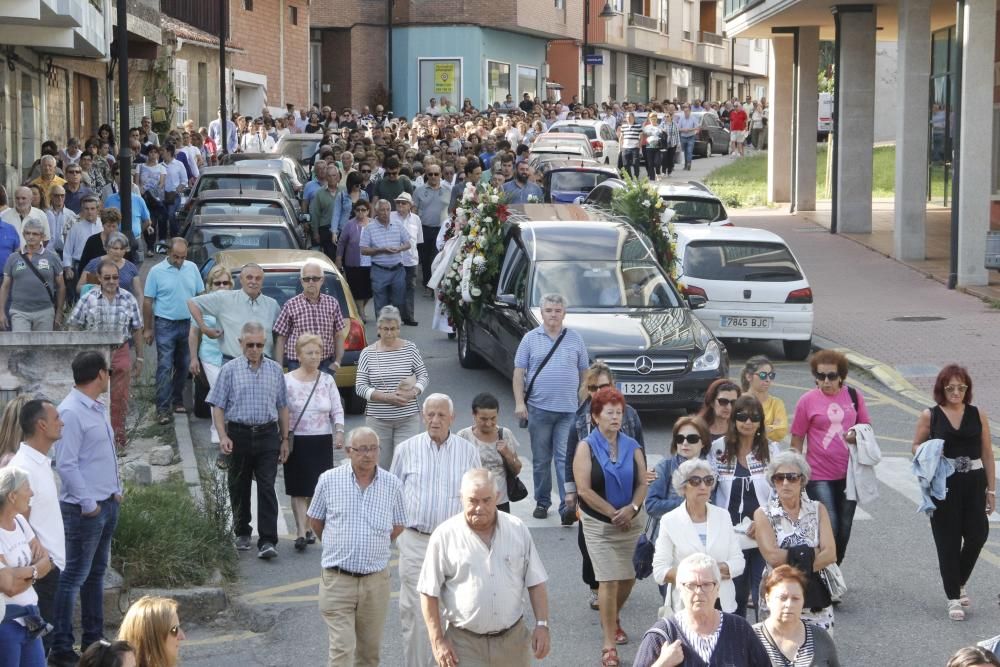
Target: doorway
x=84, y=107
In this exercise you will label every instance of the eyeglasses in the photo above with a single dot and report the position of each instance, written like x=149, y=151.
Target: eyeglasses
x=366, y=171
x=364, y=451
x=748, y=416
x=690, y=438
x=221, y=283
x=697, y=588
x=764, y=375
x=956, y=388
x=597, y=387
x=707, y=480
x=311, y=279
x=826, y=376
x=254, y=346
x=725, y=402
x=790, y=477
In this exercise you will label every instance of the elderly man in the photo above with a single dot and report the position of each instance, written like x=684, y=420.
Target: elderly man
x=431, y=466
x=74, y=188
x=311, y=312
x=477, y=566
x=169, y=287
x=430, y=202
x=234, y=308
x=384, y=240
x=548, y=400
x=87, y=225
x=521, y=190
x=318, y=182
x=61, y=219
x=357, y=511
x=411, y=259
x=113, y=309
x=33, y=281
x=23, y=210
x=321, y=211
x=47, y=178
x=250, y=411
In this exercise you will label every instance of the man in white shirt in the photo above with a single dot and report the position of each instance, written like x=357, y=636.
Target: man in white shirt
x=431, y=466
x=215, y=134
x=411, y=259
x=88, y=224
x=60, y=218
x=175, y=182
x=23, y=210
x=432, y=108
x=477, y=566
x=257, y=141
x=42, y=427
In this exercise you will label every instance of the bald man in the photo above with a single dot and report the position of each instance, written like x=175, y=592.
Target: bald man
x=22, y=211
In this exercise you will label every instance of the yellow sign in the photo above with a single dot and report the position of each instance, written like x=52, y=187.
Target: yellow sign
x=444, y=78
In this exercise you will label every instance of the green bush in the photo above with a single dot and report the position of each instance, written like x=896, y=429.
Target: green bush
x=165, y=539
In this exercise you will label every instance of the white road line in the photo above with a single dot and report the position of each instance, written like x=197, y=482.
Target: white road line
x=896, y=472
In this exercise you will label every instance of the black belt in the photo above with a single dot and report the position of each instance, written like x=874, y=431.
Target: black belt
x=167, y=319
x=499, y=633
x=387, y=268
x=253, y=428
x=358, y=575
x=417, y=530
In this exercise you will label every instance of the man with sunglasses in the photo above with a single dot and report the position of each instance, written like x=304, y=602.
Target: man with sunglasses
x=74, y=188
x=311, y=312
x=430, y=202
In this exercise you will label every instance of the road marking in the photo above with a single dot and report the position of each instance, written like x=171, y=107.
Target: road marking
x=220, y=639
x=284, y=588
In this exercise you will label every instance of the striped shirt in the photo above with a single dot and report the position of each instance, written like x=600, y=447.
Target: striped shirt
x=357, y=521
x=247, y=395
x=432, y=477
x=631, y=135
x=377, y=235
x=383, y=370
x=301, y=316
x=804, y=656
x=704, y=645
x=557, y=385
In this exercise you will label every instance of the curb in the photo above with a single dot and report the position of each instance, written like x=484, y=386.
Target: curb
x=189, y=462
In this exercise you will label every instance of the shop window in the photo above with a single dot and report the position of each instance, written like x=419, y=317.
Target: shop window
x=498, y=81
x=527, y=81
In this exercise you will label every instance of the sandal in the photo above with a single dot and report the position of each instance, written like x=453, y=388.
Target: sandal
x=164, y=420
x=955, y=611
x=609, y=657
x=180, y=410
x=963, y=597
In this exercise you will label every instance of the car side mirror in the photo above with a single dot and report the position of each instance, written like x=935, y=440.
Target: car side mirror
x=579, y=200
x=508, y=300
x=696, y=301
x=303, y=217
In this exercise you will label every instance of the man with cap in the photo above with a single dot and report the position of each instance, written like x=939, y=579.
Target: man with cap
x=410, y=221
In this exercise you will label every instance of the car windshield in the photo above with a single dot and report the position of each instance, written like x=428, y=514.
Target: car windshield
x=694, y=209
x=237, y=182
x=577, y=181
x=586, y=130
x=207, y=241
x=283, y=285
x=741, y=261
x=604, y=284
x=300, y=150
x=240, y=208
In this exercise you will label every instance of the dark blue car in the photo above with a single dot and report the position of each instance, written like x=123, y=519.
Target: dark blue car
x=565, y=181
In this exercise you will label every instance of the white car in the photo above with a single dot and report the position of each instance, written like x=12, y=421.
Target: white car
x=753, y=285
x=562, y=143
x=602, y=138
x=690, y=203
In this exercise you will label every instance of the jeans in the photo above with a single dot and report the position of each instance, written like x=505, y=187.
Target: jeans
x=587, y=572
x=549, y=432
x=19, y=650
x=88, y=549
x=172, y=360
x=255, y=457
x=46, y=588
x=388, y=287
x=748, y=583
x=832, y=493
x=630, y=161
x=652, y=155
x=687, y=146
x=410, y=286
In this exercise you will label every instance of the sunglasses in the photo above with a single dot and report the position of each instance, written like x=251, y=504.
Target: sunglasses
x=956, y=388
x=707, y=480
x=366, y=171
x=690, y=438
x=779, y=477
x=826, y=376
x=749, y=416
x=597, y=387
x=221, y=283
x=311, y=279
x=725, y=402
x=109, y=277
x=254, y=346
x=764, y=375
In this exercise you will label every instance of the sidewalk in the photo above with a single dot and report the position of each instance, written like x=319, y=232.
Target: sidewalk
x=890, y=312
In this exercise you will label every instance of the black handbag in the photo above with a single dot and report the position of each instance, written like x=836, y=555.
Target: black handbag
x=516, y=490
x=642, y=558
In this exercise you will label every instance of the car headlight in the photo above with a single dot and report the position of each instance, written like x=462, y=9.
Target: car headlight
x=702, y=336
x=710, y=359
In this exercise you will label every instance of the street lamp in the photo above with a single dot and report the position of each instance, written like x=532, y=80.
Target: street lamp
x=606, y=13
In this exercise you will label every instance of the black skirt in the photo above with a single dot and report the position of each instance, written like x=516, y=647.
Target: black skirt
x=359, y=279
x=311, y=456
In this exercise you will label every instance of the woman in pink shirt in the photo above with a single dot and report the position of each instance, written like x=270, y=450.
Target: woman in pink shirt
x=824, y=421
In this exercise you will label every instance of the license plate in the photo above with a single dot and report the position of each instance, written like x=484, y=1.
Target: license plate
x=734, y=322
x=645, y=388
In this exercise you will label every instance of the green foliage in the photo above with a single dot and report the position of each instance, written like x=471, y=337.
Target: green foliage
x=639, y=202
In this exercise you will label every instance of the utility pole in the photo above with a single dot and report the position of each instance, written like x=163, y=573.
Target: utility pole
x=124, y=150
x=223, y=116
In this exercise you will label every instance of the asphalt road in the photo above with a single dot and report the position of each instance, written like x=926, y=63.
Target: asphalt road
x=893, y=614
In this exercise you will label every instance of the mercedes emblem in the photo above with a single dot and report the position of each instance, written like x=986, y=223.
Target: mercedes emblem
x=644, y=365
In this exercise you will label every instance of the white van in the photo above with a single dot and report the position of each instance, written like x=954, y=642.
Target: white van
x=824, y=117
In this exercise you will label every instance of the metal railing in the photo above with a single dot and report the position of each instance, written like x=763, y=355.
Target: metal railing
x=687, y=35
x=640, y=21
x=706, y=37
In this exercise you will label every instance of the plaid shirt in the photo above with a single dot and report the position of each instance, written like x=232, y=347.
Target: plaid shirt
x=95, y=312
x=300, y=316
x=247, y=395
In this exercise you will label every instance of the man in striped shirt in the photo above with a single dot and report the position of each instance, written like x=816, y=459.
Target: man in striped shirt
x=431, y=466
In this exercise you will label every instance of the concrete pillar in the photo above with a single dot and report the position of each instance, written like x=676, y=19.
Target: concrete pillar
x=913, y=73
x=807, y=103
x=976, y=140
x=779, y=123
x=856, y=118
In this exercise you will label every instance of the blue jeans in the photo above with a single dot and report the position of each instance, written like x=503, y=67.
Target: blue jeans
x=549, y=432
x=172, y=359
x=388, y=287
x=88, y=548
x=630, y=161
x=832, y=493
x=687, y=147
x=17, y=649
x=748, y=583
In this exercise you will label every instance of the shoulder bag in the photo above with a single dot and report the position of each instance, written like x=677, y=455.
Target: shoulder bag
x=291, y=433
x=642, y=558
x=527, y=392
x=516, y=490
x=38, y=274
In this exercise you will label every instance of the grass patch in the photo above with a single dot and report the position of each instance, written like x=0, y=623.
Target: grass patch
x=164, y=539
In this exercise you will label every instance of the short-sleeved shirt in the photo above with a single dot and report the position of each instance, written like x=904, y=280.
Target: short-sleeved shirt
x=520, y=194
x=15, y=547
x=386, y=189
x=149, y=179
x=824, y=420
x=234, y=308
x=300, y=316
x=140, y=211
x=95, y=312
x=249, y=395
x=126, y=274
x=10, y=241
x=377, y=235
x=738, y=120
x=176, y=176
x=27, y=293
x=432, y=204
x=171, y=287
x=557, y=386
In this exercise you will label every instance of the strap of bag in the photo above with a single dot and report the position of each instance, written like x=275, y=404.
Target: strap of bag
x=854, y=397
x=309, y=398
x=527, y=392
x=38, y=274
x=506, y=466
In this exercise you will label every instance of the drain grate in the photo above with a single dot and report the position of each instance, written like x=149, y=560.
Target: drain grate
x=917, y=318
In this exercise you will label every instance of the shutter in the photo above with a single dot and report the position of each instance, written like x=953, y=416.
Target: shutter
x=638, y=65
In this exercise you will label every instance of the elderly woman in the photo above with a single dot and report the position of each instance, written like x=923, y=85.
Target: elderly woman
x=959, y=521
x=22, y=556
x=316, y=419
x=391, y=375
x=788, y=639
x=717, y=410
x=116, y=247
x=651, y=145
x=756, y=379
x=497, y=446
x=824, y=423
x=699, y=634
x=356, y=267
x=34, y=297
x=740, y=460
x=598, y=377
x=696, y=526
x=151, y=626
x=206, y=355
x=609, y=468
x=791, y=529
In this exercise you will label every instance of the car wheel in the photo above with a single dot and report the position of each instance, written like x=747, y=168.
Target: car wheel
x=797, y=350
x=708, y=148
x=353, y=404
x=468, y=358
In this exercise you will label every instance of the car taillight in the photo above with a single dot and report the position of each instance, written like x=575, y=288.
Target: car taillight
x=690, y=290
x=597, y=145
x=355, y=337
x=727, y=224
x=804, y=295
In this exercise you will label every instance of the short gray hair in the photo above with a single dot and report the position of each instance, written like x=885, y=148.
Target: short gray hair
x=687, y=469
x=251, y=327
x=47, y=159
x=789, y=458
x=556, y=299
x=439, y=398
x=314, y=263
x=699, y=562
x=117, y=238
x=360, y=431
x=388, y=204
x=11, y=479
x=476, y=477
x=34, y=225
x=389, y=313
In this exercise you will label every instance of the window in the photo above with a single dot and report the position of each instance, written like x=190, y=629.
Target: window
x=181, y=90
x=527, y=81
x=498, y=81
x=741, y=261
x=440, y=77
x=293, y=14
x=560, y=4
x=248, y=5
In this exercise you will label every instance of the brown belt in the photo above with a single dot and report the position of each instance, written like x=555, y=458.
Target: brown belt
x=499, y=633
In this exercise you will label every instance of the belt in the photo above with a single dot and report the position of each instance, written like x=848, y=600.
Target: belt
x=358, y=575
x=253, y=428
x=417, y=530
x=966, y=464
x=167, y=319
x=387, y=268
x=499, y=633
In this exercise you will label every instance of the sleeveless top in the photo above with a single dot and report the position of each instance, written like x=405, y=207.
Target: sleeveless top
x=598, y=485
x=966, y=440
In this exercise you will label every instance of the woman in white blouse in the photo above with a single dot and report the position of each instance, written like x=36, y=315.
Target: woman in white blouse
x=316, y=417
x=697, y=527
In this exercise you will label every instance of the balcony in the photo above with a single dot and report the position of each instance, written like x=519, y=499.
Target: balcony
x=706, y=37
x=647, y=22
x=645, y=33
x=61, y=27
x=710, y=54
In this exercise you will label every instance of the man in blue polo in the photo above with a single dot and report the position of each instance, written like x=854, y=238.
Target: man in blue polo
x=551, y=404
x=384, y=240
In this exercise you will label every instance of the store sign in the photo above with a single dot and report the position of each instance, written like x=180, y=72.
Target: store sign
x=594, y=59
x=444, y=78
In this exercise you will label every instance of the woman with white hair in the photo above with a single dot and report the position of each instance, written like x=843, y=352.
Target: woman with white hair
x=699, y=634
x=25, y=561
x=792, y=529
x=697, y=526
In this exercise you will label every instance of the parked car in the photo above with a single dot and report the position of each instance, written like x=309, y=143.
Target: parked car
x=566, y=181
x=244, y=177
x=713, y=137
x=824, y=116
x=281, y=282
x=752, y=283
x=209, y=235
x=562, y=143
x=691, y=203
x=300, y=147
x=619, y=299
x=603, y=140
x=283, y=162
x=235, y=203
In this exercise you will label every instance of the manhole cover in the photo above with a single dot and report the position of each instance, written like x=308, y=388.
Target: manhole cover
x=917, y=318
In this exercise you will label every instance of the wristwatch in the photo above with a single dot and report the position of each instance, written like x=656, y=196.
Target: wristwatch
x=541, y=624
x=635, y=508
x=34, y=575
